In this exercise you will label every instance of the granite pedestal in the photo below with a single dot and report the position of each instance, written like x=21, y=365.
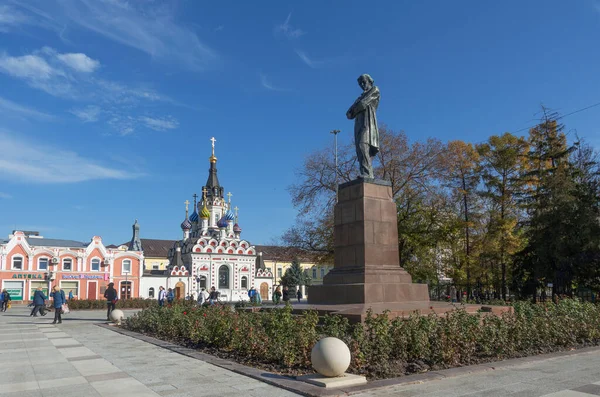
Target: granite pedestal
x=367, y=265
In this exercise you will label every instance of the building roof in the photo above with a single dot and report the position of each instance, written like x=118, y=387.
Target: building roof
x=288, y=254
x=155, y=248
x=52, y=242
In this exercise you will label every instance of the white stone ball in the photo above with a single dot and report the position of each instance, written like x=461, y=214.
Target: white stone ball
x=116, y=316
x=330, y=357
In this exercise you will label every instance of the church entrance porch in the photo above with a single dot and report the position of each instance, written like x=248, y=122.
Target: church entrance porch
x=180, y=290
x=264, y=291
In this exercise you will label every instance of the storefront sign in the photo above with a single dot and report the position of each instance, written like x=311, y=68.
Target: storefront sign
x=35, y=276
x=85, y=276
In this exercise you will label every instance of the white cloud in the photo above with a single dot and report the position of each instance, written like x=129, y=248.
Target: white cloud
x=10, y=18
x=71, y=76
x=34, y=162
x=288, y=30
x=27, y=67
x=264, y=81
x=14, y=108
x=310, y=62
x=88, y=114
x=79, y=62
x=5, y=196
x=38, y=73
x=152, y=29
x=160, y=124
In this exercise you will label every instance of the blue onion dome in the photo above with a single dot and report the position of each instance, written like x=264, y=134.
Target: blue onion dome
x=194, y=216
x=222, y=223
x=229, y=216
x=237, y=228
x=186, y=224
x=205, y=214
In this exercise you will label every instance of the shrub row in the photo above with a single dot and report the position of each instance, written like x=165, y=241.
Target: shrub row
x=133, y=303
x=380, y=347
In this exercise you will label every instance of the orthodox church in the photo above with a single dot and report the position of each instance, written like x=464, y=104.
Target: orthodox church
x=212, y=252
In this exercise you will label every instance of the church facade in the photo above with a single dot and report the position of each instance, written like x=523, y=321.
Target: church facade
x=212, y=252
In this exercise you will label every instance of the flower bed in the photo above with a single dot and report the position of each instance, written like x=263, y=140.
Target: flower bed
x=279, y=341
x=96, y=304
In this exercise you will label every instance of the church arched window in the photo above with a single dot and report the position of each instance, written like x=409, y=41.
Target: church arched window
x=224, y=277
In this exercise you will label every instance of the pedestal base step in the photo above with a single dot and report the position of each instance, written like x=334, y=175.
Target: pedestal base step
x=339, y=294
x=345, y=380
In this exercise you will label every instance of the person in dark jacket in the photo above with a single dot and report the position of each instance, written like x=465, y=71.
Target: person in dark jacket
x=299, y=294
x=39, y=299
x=58, y=296
x=111, y=299
x=5, y=301
x=286, y=294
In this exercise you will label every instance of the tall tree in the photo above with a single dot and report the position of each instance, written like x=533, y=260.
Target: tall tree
x=462, y=178
x=503, y=161
x=549, y=199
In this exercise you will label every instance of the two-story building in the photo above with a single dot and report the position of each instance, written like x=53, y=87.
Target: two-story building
x=29, y=261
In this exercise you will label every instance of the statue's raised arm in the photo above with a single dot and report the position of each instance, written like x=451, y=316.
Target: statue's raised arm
x=366, y=134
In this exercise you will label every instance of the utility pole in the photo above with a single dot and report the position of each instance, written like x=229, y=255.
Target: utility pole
x=335, y=134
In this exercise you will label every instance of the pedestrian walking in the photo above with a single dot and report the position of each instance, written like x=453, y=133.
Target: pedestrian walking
x=59, y=300
x=213, y=297
x=5, y=300
x=39, y=300
x=170, y=296
x=277, y=295
x=70, y=295
x=286, y=294
x=111, y=299
x=202, y=297
x=162, y=296
x=299, y=294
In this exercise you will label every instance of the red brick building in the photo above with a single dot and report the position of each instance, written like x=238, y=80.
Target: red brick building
x=29, y=261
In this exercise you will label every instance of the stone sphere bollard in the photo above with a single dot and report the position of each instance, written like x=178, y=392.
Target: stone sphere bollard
x=330, y=357
x=116, y=316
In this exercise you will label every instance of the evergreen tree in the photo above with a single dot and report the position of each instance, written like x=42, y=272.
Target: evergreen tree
x=295, y=276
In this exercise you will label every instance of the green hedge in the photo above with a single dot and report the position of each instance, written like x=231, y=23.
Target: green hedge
x=380, y=347
x=134, y=303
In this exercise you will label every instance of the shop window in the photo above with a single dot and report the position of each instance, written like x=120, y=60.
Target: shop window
x=43, y=264
x=69, y=286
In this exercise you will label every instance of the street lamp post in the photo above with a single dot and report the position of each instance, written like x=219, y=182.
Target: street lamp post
x=335, y=134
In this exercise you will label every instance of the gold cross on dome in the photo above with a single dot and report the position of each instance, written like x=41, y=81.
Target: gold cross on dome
x=213, y=140
x=229, y=196
x=236, y=211
x=204, y=193
x=187, y=204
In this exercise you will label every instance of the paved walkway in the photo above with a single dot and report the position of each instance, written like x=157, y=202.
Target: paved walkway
x=78, y=358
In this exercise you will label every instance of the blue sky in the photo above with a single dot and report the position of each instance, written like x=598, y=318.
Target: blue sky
x=107, y=106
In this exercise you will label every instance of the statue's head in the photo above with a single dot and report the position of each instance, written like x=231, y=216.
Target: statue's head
x=365, y=82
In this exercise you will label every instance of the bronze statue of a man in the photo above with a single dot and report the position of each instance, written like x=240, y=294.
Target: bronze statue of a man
x=366, y=134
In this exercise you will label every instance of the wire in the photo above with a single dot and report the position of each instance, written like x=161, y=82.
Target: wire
x=564, y=115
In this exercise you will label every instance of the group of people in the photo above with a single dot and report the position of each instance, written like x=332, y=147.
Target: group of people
x=278, y=295
x=59, y=300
